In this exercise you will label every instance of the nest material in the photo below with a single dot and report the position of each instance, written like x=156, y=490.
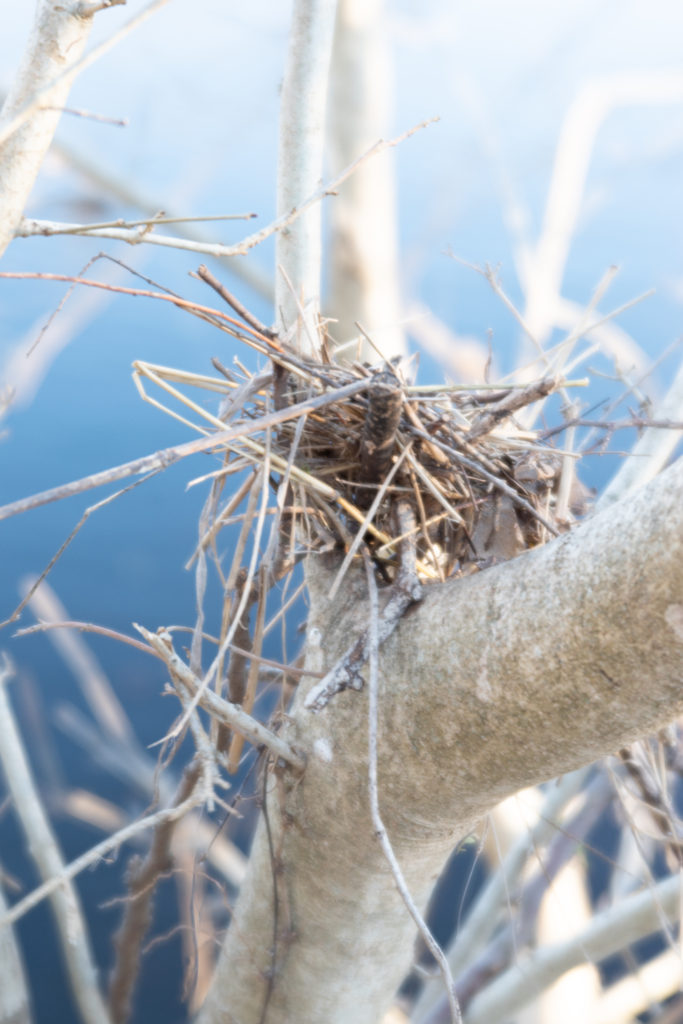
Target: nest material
x=429, y=482
x=481, y=490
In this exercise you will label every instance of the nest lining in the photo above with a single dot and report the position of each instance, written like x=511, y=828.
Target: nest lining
x=480, y=489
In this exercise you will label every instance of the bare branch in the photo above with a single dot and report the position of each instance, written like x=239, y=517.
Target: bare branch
x=142, y=879
x=223, y=710
x=615, y=929
x=300, y=168
x=33, y=107
x=133, y=235
x=19, y=110
x=363, y=274
x=42, y=844
x=15, y=1005
x=97, y=852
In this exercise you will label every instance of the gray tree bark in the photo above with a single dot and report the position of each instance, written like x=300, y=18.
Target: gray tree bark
x=494, y=682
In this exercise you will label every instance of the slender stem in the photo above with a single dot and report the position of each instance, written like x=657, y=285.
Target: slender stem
x=71, y=928
x=226, y=712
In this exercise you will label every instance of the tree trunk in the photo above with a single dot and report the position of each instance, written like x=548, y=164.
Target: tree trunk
x=494, y=682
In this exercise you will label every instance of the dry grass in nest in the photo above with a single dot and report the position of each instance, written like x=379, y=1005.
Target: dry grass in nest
x=342, y=444
x=431, y=482
x=480, y=490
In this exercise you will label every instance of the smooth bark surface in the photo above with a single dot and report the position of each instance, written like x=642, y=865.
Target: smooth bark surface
x=492, y=683
x=300, y=170
x=363, y=264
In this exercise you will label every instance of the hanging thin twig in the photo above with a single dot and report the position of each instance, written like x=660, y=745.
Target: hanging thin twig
x=380, y=831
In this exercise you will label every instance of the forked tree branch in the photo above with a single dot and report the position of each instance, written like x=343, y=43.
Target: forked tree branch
x=491, y=683
x=32, y=109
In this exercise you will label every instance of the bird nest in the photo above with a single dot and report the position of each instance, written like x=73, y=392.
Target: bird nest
x=425, y=483
x=442, y=467
x=359, y=455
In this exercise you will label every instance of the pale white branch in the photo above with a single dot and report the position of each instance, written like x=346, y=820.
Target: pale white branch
x=652, y=982
x=31, y=112
x=300, y=167
x=613, y=930
x=543, y=267
x=95, y=854
x=71, y=928
x=363, y=276
x=15, y=1007
x=133, y=235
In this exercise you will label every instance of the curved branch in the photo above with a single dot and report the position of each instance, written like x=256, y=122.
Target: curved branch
x=491, y=683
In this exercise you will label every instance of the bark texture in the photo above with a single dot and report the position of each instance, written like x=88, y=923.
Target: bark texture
x=494, y=682
x=57, y=41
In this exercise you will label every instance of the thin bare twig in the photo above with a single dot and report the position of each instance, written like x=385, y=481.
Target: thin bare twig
x=62, y=548
x=226, y=712
x=30, y=226
x=267, y=345
x=167, y=456
x=204, y=274
x=143, y=876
